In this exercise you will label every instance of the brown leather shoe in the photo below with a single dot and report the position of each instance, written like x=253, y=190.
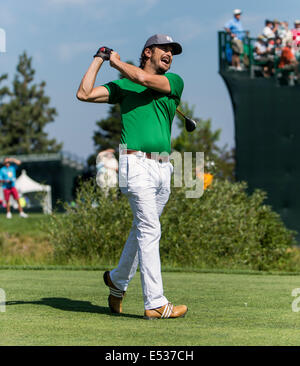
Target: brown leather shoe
x=166, y=311
x=116, y=296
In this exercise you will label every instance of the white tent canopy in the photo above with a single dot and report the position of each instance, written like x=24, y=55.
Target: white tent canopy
x=25, y=184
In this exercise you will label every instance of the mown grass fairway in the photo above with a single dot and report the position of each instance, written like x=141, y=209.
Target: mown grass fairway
x=64, y=307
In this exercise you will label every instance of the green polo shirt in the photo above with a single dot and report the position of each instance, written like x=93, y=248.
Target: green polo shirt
x=147, y=115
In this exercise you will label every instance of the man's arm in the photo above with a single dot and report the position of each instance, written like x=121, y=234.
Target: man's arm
x=228, y=27
x=86, y=91
x=15, y=161
x=139, y=76
x=228, y=30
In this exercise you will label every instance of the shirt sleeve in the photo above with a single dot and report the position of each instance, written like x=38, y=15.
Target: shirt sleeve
x=176, y=85
x=228, y=24
x=115, y=91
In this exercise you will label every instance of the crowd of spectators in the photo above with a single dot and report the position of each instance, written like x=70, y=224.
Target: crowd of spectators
x=276, y=50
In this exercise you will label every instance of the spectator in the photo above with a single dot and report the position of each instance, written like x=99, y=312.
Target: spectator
x=288, y=62
x=270, y=43
x=261, y=54
x=8, y=178
x=296, y=33
x=278, y=47
x=107, y=168
x=268, y=30
x=297, y=53
x=234, y=27
x=276, y=27
x=285, y=33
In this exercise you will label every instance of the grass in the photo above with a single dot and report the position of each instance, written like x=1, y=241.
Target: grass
x=22, y=241
x=63, y=307
x=17, y=225
x=67, y=305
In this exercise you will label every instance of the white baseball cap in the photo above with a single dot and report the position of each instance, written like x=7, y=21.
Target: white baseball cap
x=237, y=11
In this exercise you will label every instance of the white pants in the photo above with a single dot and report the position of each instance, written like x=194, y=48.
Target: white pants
x=148, y=190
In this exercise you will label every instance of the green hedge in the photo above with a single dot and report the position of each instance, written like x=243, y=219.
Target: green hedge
x=225, y=228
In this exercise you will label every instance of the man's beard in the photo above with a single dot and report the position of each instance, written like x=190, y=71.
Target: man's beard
x=161, y=71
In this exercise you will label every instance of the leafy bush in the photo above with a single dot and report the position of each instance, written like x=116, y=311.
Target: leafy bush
x=226, y=227
x=94, y=229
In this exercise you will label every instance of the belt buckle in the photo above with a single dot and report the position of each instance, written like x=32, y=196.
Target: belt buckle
x=140, y=154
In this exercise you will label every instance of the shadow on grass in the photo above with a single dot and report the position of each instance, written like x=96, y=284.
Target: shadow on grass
x=65, y=304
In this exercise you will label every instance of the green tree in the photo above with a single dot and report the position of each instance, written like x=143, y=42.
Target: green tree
x=4, y=91
x=108, y=133
x=203, y=139
x=25, y=115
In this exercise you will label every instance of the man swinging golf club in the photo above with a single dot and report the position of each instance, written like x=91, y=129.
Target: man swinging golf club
x=148, y=96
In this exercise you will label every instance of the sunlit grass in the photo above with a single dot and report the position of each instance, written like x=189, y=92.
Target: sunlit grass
x=62, y=307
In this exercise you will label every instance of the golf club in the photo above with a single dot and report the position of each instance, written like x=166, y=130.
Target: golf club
x=190, y=124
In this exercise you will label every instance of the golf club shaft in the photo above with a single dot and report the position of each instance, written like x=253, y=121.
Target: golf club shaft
x=179, y=112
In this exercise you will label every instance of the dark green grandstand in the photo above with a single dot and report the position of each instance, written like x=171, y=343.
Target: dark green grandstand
x=267, y=132
x=59, y=170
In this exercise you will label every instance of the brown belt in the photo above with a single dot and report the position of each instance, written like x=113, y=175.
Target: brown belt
x=157, y=157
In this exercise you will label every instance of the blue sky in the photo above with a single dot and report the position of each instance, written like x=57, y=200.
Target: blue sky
x=62, y=36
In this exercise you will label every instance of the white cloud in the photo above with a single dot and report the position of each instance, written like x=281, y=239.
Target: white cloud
x=2, y=40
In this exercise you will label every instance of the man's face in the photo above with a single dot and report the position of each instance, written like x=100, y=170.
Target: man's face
x=238, y=16
x=161, y=58
x=6, y=162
